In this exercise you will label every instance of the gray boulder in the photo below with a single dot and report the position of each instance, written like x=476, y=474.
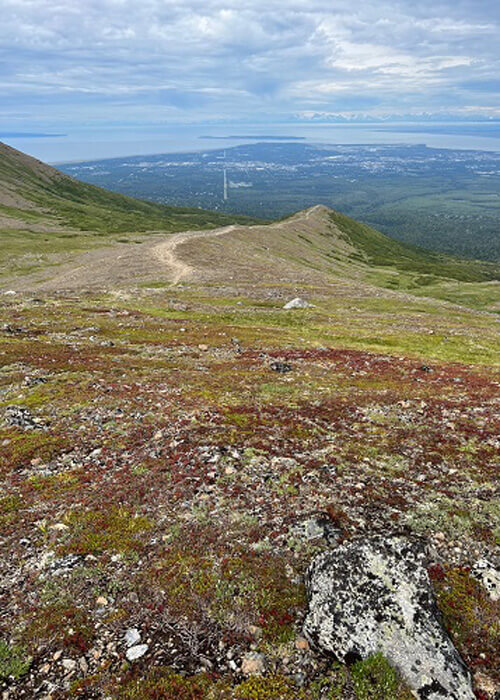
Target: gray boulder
x=297, y=303
x=374, y=595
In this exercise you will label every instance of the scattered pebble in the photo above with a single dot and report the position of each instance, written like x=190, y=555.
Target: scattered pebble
x=136, y=652
x=253, y=664
x=132, y=636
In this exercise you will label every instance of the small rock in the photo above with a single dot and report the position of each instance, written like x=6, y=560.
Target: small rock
x=297, y=303
x=489, y=576
x=33, y=381
x=255, y=631
x=253, y=664
x=301, y=644
x=69, y=665
x=132, y=636
x=283, y=463
x=314, y=528
x=20, y=417
x=486, y=684
x=136, y=652
x=281, y=367
x=206, y=663
x=64, y=564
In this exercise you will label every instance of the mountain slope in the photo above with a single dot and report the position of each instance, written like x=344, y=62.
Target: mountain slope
x=316, y=246
x=173, y=456
x=36, y=195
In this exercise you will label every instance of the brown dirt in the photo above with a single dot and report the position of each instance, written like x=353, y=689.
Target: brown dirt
x=232, y=252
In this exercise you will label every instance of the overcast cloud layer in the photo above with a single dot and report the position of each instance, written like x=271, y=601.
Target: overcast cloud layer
x=132, y=61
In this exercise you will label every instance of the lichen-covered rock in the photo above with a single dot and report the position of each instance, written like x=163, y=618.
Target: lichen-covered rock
x=373, y=595
x=489, y=576
x=20, y=417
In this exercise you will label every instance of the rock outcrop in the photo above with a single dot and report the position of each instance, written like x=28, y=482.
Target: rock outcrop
x=373, y=595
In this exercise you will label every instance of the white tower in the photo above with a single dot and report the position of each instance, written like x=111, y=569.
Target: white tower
x=225, y=178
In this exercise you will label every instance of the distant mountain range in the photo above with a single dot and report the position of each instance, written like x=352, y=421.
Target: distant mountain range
x=360, y=118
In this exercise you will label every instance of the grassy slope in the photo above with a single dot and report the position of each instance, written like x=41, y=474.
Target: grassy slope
x=400, y=266
x=50, y=214
x=381, y=251
x=85, y=207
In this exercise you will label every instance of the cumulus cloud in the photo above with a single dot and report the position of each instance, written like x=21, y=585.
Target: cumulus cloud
x=208, y=58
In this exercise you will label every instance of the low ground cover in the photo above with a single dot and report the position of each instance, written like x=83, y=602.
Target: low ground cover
x=164, y=456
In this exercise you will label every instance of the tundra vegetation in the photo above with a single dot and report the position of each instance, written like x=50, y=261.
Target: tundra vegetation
x=161, y=474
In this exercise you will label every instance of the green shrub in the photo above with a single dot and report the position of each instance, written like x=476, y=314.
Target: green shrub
x=14, y=661
x=375, y=679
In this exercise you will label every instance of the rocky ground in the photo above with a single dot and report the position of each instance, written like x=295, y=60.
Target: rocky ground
x=172, y=460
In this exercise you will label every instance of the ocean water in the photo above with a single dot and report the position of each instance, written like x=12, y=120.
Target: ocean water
x=119, y=141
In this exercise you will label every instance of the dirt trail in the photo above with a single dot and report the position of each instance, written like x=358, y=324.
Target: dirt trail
x=126, y=264
x=166, y=251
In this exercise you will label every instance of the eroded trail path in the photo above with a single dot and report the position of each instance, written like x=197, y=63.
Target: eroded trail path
x=165, y=252
x=159, y=257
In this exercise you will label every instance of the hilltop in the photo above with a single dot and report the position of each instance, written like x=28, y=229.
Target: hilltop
x=176, y=446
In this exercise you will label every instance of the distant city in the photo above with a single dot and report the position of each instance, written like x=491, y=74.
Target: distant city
x=444, y=199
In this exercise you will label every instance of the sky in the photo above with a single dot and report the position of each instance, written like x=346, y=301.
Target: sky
x=71, y=65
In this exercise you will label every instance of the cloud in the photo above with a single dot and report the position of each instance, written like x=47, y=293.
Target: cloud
x=200, y=59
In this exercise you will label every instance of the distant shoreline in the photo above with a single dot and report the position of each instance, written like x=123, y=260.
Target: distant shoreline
x=255, y=138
